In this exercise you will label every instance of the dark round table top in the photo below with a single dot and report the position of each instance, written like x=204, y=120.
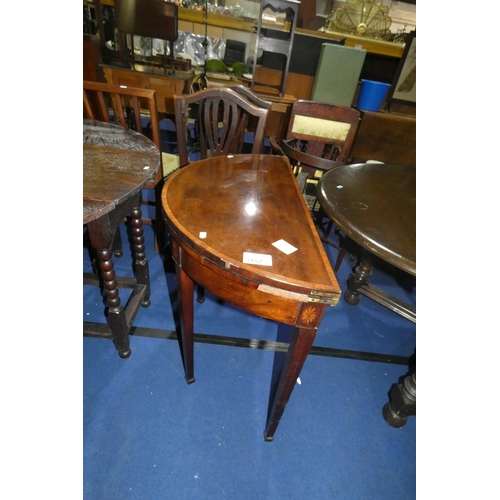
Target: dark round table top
x=117, y=163
x=375, y=205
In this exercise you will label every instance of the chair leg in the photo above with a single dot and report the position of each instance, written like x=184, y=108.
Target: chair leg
x=346, y=245
x=340, y=257
x=201, y=294
x=159, y=230
x=319, y=217
x=159, y=227
x=117, y=243
x=328, y=228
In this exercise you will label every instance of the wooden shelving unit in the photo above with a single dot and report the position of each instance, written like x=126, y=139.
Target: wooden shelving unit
x=250, y=26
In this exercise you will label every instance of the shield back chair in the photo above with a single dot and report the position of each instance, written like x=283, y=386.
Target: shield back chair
x=319, y=137
x=125, y=106
x=219, y=118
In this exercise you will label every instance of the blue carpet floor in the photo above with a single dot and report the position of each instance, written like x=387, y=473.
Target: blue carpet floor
x=148, y=435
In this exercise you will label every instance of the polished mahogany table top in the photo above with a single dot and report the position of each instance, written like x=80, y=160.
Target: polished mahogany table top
x=245, y=203
x=375, y=205
x=117, y=163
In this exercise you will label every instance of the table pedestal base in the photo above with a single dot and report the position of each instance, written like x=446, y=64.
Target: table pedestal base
x=357, y=280
x=359, y=284
x=402, y=396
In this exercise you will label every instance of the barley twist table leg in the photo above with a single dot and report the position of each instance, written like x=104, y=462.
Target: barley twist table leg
x=115, y=314
x=141, y=267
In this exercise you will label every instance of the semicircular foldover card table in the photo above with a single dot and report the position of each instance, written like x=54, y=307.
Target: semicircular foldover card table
x=240, y=228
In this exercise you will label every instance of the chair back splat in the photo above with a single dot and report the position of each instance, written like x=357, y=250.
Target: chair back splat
x=126, y=106
x=213, y=121
x=319, y=137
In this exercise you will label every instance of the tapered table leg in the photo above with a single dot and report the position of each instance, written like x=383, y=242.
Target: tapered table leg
x=186, y=314
x=298, y=350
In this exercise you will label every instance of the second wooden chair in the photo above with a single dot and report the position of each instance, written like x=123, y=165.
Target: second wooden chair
x=319, y=137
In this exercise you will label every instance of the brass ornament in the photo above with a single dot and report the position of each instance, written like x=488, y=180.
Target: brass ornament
x=367, y=18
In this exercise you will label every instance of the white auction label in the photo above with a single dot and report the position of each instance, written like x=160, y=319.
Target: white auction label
x=284, y=246
x=259, y=259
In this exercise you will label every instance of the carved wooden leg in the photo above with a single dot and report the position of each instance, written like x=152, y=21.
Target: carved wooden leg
x=141, y=268
x=300, y=346
x=403, y=402
x=116, y=314
x=359, y=278
x=186, y=312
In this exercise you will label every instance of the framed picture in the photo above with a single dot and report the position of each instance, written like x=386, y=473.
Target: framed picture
x=404, y=87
